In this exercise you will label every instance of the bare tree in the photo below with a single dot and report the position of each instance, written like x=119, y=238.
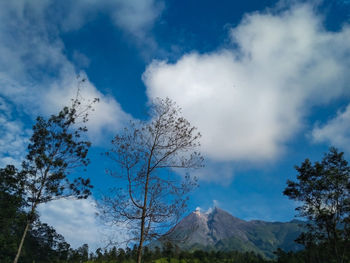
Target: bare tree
x=146, y=155
x=55, y=148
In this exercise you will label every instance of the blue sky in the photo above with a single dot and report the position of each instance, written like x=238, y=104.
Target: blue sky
x=265, y=82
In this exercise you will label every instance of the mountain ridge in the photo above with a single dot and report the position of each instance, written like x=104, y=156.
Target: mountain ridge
x=219, y=230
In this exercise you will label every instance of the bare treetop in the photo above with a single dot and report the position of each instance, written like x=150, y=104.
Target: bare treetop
x=146, y=155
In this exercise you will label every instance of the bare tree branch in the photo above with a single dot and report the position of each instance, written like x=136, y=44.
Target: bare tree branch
x=146, y=154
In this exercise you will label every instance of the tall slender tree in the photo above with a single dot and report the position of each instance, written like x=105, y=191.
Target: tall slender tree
x=146, y=155
x=56, y=147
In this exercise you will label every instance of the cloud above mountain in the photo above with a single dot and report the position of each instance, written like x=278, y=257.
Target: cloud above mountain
x=251, y=99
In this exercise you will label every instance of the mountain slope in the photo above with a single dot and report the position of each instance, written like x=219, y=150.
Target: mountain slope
x=219, y=230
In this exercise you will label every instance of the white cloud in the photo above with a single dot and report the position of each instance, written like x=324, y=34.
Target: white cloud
x=107, y=115
x=219, y=172
x=80, y=59
x=35, y=72
x=209, y=210
x=336, y=131
x=135, y=17
x=215, y=203
x=74, y=219
x=250, y=100
x=13, y=137
x=78, y=222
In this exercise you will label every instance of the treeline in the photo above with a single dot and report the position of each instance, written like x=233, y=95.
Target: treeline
x=171, y=254
x=44, y=244
x=320, y=253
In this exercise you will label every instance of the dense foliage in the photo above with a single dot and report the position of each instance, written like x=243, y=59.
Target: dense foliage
x=55, y=149
x=171, y=255
x=322, y=190
x=42, y=243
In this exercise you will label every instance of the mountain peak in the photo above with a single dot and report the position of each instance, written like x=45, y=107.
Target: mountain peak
x=197, y=211
x=219, y=230
x=215, y=209
x=218, y=210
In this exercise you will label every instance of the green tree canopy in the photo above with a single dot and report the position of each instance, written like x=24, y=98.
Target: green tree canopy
x=322, y=190
x=56, y=147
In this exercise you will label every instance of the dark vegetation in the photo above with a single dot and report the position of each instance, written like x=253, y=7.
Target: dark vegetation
x=56, y=147
x=323, y=192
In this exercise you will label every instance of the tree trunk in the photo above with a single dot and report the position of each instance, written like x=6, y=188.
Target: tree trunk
x=21, y=243
x=144, y=208
x=142, y=235
x=139, y=252
x=29, y=221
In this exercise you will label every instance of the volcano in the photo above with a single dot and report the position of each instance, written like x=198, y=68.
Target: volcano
x=219, y=230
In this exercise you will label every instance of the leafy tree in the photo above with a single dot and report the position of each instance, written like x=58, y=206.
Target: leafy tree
x=121, y=255
x=56, y=147
x=147, y=255
x=323, y=191
x=81, y=254
x=44, y=244
x=12, y=214
x=113, y=254
x=152, y=200
x=99, y=254
x=157, y=253
x=168, y=250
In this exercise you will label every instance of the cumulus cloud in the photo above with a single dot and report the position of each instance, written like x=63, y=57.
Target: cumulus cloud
x=336, y=131
x=35, y=72
x=219, y=172
x=78, y=222
x=37, y=77
x=80, y=59
x=74, y=219
x=13, y=136
x=135, y=17
x=248, y=101
x=215, y=203
x=107, y=114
